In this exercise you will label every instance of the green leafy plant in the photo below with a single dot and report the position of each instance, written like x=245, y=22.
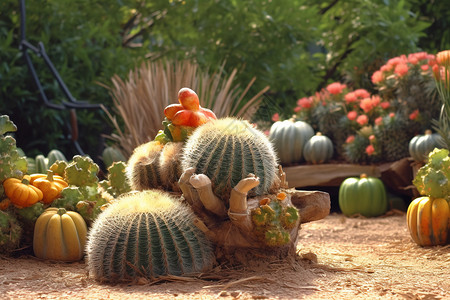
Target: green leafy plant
x=433, y=179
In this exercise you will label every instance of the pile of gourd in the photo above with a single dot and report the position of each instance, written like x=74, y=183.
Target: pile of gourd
x=296, y=142
x=48, y=202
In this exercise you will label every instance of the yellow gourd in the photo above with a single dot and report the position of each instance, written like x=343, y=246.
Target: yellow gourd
x=428, y=221
x=21, y=193
x=59, y=235
x=51, y=185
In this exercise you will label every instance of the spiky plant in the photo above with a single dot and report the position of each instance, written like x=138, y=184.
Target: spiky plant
x=147, y=234
x=155, y=165
x=141, y=98
x=394, y=135
x=227, y=150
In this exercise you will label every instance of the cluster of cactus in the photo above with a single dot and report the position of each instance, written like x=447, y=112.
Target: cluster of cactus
x=273, y=219
x=394, y=136
x=155, y=165
x=85, y=194
x=227, y=150
x=147, y=234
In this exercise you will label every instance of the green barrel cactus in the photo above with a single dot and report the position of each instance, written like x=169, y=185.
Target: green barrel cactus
x=155, y=165
x=227, y=150
x=147, y=234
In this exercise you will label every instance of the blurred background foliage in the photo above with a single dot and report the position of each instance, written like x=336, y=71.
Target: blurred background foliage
x=294, y=46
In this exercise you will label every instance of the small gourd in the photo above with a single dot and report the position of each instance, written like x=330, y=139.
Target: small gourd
x=289, y=138
x=319, y=149
x=51, y=185
x=60, y=235
x=21, y=193
x=364, y=195
x=428, y=221
x=421, y=145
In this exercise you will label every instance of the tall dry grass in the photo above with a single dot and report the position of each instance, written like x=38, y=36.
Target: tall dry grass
x=140, y=99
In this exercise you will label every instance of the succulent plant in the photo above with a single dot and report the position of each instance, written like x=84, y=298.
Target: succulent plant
x=147, y=234
x=12, y=164
x=227, y=150
x=395, y=133
x=155, y=165
x=10, y=233
x=273, y=219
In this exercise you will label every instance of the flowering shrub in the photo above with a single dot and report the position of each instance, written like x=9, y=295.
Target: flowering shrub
x=368, y=128
x=441, y=71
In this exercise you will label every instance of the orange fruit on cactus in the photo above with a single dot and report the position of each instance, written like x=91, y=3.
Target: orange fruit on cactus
x=189, y=99
x=188, y=112
x=171, y=110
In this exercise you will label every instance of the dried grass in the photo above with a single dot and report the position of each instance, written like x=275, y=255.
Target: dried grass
x=140, y=99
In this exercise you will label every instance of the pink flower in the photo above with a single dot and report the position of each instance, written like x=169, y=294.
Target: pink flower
x=362, y=93
x=372, y=138
x=391, y=115
x=385, y=105
x=362, y=120
x=370, y=150
x=350, y=139
x=386, y=68
x=350, y=97
x=368, y=104
x=378, y=121
x=425, y=67
x=335, y=88
x=401, y=69
x=414, y=115
x=305, y=102
x=276, y=117
x=352, y=115
x=377, y=77
x=297, y=109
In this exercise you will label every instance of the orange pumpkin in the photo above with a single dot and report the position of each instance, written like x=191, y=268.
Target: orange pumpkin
x=51, y=185
x=428, y=221
x=21, y=193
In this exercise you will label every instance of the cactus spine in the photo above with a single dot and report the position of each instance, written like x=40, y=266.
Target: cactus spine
x=227, y=150
x=155, y=165
x=148, y=234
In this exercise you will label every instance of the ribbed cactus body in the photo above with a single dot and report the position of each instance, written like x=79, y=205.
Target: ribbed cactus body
x=154, y=165
x=227, y=150
x=147, y=234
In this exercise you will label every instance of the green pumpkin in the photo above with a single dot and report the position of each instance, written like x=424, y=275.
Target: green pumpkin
x=365, y=196
x=289, y=139
x=421, y=145
x=319, y=149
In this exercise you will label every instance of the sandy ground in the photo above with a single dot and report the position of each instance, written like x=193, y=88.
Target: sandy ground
x=338, y=258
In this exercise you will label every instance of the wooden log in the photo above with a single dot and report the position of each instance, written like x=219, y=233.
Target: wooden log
x=326, y=174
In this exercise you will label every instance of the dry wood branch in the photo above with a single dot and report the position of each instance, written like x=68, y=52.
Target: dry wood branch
x=202, y=184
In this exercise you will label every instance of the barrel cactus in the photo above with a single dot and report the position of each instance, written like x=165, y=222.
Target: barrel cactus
x=146, y=234
x=227, y=150
x=155, y=165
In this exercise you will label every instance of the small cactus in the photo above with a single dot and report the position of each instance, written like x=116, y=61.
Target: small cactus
x=273, y=219
x=155, y=165
x=227, y=150
x=147, y=234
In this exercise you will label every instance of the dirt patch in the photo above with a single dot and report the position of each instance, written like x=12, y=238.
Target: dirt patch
x=338, y=258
